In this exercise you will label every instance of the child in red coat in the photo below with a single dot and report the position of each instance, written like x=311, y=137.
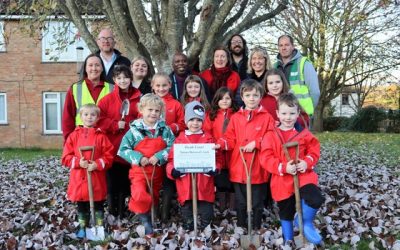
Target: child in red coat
x=245, y=132
x=273, y=159
x=81, y=162
x=194, y=116
x=145, y=146
x=216, y=122
x=174, y=117
x=115, y=125
x=275, y=85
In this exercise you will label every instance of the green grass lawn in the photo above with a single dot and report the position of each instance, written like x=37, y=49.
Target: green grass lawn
x=28, y=154
x=385, y=145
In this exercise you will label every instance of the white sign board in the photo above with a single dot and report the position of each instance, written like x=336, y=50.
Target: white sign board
x=194, y=158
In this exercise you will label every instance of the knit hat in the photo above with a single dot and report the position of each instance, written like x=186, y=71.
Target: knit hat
x=194, y=110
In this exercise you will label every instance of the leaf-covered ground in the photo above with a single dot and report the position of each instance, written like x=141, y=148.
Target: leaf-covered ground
x=362, y=208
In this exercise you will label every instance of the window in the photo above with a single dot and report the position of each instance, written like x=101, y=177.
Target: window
x=345, y=99
x=59, y=43
x=3, y=108
x=53, y=105
x=2, y=38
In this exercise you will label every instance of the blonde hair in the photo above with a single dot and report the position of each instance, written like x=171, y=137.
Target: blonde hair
x=264, y=54
x=160, y=74
x=153, y=100
x=90, y=106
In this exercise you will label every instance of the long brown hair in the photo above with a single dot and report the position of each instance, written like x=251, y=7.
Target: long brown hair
x=185, y=96
x=217, y=97
x=272, y=72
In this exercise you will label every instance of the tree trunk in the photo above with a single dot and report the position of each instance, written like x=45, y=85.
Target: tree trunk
x=318, y=118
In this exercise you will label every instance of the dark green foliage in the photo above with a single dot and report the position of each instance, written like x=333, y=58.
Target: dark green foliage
x=367, y=120
x=336, y=123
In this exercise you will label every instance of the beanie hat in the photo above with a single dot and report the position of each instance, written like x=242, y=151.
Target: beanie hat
x=194, y=109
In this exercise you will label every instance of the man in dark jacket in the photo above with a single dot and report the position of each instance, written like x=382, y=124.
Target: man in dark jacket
x=109, y=55
x=181, y=71
x=238, y=48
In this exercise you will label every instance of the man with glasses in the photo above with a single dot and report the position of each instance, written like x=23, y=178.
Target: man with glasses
x=238, y=48
x=109, y=55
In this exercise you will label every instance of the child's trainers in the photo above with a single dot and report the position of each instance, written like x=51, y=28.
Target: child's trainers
x=81, y=234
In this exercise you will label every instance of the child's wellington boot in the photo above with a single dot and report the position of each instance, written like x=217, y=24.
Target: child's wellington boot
x=146, y=222
x=287, y=230
x=83, y=219
x=99, y=218
x=310, y=232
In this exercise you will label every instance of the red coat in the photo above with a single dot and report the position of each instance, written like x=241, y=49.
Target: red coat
x=205, y=183
x=232, y=83
x=270, y=103
x=244, y=127
x=174, y=114
x=78, y=185
x=110, y=115
x=274, y=161
x=215, y=128
x=69, y=112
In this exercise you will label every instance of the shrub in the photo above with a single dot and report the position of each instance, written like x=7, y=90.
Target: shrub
x=335, y=123
x=367, y=119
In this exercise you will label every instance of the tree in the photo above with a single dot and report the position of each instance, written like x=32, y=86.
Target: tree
x=348, y=40
x=157, y=29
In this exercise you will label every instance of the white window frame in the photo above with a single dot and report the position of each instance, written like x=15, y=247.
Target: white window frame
x=2, y=38
x=5, y=121
x=50, y=48
x=60, y=105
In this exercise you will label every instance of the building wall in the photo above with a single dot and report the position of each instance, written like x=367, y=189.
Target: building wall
x=23, y=77
x=346, y=110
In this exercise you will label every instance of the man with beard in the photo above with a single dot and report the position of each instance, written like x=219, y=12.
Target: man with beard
x=238, y=48
x=299, y=72
x=181, y=71
x=109, y=55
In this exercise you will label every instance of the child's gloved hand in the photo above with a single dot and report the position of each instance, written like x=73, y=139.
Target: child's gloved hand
x=176, y=173
x=92, y=166
x=301, y=166
x=153, y=160
x=83, y=163
x=212, y=173
x=249, y=147
x=291, y=167
x=144, y=161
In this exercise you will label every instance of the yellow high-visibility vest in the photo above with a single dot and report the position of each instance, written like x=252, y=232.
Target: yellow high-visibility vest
x=82, y=96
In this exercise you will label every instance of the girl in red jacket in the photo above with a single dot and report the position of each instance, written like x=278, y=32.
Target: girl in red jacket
x=193, y=90
x=194, y=117
x=275, y=85
x=273, y=159
x=79, y=164
x=245, y=131
x=115, y=125
x=216, y=122
x=174, y=115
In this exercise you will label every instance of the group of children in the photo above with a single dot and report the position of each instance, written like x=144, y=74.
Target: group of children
x=256, y=133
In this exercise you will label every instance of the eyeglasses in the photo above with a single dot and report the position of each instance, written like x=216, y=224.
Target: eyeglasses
x=236, y=42
x=106, y=39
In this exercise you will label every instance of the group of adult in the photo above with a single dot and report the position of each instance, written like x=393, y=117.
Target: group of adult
x=231, y=64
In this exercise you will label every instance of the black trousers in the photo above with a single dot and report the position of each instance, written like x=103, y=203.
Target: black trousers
x=310, y=193
x=118, y=187
x=84, y=206
x=258, y=192
x=204, y=208
x=168, y=194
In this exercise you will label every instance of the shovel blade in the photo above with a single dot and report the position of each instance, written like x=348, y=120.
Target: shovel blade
x=250, y=241
x=95, y=233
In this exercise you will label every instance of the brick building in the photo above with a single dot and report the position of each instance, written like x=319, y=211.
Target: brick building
x=33, y=86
